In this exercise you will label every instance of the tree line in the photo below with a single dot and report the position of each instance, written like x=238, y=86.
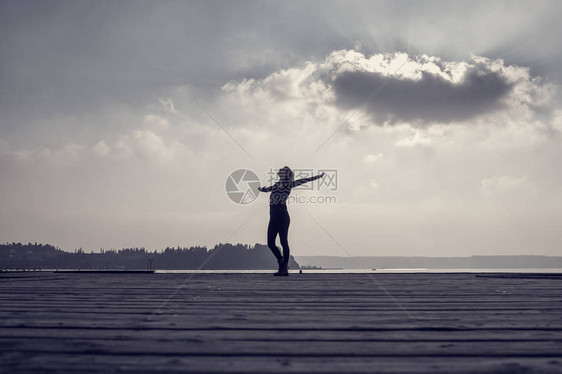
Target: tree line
x=222, y=256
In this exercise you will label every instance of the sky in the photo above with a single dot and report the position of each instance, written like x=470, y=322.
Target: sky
x=439, y=123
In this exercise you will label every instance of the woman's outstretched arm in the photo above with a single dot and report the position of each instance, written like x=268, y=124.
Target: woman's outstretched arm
x=298, y=182
x=265, y=189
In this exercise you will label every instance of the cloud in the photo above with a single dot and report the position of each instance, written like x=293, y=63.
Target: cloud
x=396, y=88
x=65, y=155
x=372, y=158
x=416, y=139
x=101, y=149
x=506, y=185
x=431, y=98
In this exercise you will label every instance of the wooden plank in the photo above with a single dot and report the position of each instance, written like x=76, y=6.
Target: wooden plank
x=220, y=347
x=272, y=334
x=216, y=364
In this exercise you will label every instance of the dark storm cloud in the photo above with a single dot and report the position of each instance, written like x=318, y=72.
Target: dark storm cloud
x=429, y=99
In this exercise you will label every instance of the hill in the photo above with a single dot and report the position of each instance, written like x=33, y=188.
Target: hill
x=220, y=257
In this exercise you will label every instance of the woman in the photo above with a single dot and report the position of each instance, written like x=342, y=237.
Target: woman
x=279, y=219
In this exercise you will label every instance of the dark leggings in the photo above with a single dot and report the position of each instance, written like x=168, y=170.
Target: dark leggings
x=279, y=221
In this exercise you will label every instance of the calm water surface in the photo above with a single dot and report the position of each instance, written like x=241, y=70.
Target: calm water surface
x=371, y=271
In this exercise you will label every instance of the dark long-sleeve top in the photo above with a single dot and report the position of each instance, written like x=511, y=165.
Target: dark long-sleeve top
x=281, y=190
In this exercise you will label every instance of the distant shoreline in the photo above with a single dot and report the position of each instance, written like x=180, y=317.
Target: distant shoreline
x=420, y=262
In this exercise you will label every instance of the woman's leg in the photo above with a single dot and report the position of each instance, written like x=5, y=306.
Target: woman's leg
x=283, y=237
x=272, y=230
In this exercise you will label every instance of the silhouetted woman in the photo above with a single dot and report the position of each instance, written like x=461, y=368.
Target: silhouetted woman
x=279, y=219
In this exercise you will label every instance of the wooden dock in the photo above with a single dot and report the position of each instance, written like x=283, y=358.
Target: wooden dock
x=307, y=323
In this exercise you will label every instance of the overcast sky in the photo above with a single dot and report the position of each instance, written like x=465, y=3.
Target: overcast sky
x=121, y=121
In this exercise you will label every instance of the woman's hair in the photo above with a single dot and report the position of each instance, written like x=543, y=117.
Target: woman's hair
x=286, y=174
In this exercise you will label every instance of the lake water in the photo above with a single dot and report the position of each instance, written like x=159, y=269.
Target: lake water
x=369, y=271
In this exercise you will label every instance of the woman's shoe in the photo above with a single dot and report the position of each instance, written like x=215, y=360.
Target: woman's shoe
x=283, y=271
